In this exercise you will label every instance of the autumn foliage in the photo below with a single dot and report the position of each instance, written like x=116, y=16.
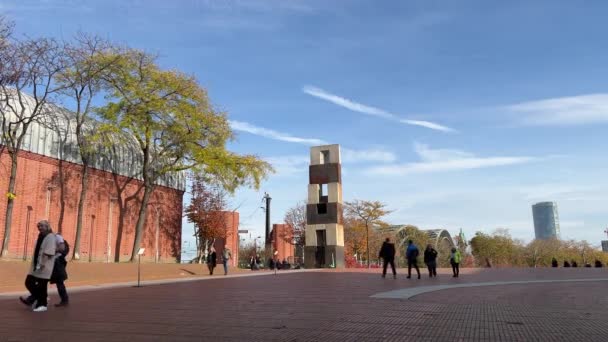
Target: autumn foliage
x=206, y=210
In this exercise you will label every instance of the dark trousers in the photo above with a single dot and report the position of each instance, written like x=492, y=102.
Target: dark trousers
x=63, y=293
x=455, y=269
x=225, y=267
x=385, y=265
x=210, y=266
x=38, y=289
x=410, y=264
x=432, y=266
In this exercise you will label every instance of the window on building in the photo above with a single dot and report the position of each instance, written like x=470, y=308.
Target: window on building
x=324, y=157
x=323, y=193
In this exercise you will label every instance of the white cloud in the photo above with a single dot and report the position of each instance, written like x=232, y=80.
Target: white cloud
x=427, y=124
x=268, y=133
x=379, y=155
x=442, y=160
x=289, y=165
x=450, y=165
x=286, y=165
x=348, y=155
x=574, y=110
x=427, y=154
x=373, y=111
x=554, y=191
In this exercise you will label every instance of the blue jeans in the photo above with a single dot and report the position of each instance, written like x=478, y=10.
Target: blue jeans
x=225, y=267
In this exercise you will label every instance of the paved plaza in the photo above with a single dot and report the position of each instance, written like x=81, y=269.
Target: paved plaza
x=352, y=305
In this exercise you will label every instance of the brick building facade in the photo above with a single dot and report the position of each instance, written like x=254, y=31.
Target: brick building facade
x=281, y=235
x=111, y=200
x=231, y=222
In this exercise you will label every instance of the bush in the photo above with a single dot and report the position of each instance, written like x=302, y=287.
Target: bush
x=351, y=262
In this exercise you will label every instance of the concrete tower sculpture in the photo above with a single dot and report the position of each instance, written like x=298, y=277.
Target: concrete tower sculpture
x=324, y=226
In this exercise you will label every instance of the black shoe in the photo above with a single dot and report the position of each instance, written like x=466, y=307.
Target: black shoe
x=419, y=276
x=384, y=276
x=409, y=277
x=26, y=301
x=60, y=304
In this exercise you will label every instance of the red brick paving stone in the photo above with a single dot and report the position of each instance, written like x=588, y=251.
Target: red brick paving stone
x=326, y=306
x=12, y=273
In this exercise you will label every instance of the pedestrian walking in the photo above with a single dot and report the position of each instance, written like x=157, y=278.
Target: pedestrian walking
x=211, y=260
x=430, y=259
x=411, y=253
x=455, y=258
x=37, y=280
x=387, y=253
x=60, y=274
x=226, y=256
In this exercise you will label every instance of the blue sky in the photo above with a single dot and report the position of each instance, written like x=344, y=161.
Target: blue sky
x=454, y=114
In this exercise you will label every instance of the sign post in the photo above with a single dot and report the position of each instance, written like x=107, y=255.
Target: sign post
x=276, y=261
x=139, y=254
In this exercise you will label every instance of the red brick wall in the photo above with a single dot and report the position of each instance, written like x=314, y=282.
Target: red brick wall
x=231, y=220
x=280, y=235
x=102, y=238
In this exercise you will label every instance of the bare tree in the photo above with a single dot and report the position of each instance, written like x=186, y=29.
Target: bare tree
x=82, y=81
x=295, y=218
x=60, y=123
x=29, y=66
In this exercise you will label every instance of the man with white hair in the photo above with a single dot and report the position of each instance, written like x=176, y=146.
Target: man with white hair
x=42, y=267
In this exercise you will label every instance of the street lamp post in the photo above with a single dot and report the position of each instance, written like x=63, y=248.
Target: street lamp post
x=27, y=231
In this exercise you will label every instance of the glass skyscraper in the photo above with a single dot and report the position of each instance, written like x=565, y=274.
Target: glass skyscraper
x=546, y=220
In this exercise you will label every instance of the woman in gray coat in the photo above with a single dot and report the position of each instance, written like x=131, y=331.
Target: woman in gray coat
x=42, y=267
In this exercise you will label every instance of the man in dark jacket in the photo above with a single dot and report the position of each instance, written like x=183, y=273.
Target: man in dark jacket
x=211, y=260
x=430, y=259
x=387, y=253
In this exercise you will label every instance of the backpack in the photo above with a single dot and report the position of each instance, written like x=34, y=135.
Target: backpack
x=415, y=253
x=66, y=252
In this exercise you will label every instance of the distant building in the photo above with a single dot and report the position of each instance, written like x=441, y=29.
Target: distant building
x=230, y=221
x=281, y=236
x=604, y=245
x=546, y=220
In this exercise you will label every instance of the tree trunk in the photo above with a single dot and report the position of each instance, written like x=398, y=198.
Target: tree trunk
x=121, y=225
x=83, y=195
x=367, y=242
x=141, y=220
x=198, y=245
x=61, y=194
x=9, y=205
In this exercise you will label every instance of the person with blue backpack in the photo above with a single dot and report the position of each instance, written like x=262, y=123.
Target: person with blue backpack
x=411, y=253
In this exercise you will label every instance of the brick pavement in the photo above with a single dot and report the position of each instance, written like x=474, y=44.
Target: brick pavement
x=12, y=273
x=328, y=306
